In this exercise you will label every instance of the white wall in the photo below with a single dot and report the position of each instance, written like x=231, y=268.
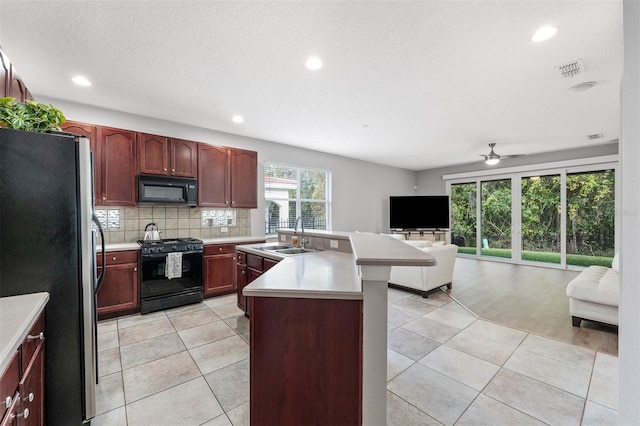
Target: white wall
x=629, y=353
x=430, y=182
x=360, y=189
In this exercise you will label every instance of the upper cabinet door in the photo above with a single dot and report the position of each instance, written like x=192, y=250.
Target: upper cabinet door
x=90, y=132
x=213, y=176
x=118, y=148
x=184, y=158
x=244, y=178
x=5, y=75
x=153, y=154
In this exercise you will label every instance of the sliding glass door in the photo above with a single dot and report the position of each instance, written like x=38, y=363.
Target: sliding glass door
x=495, y=224
x=540, y=218
x=590, y=218
x=463, y=217
x=563, y=217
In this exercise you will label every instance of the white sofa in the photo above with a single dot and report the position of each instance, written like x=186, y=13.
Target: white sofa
x=423, y=278
x=594, y=294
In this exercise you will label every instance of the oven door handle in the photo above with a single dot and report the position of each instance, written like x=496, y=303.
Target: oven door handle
x=159, y=255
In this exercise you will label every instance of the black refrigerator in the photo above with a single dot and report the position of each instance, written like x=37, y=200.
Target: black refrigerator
x=47, y=244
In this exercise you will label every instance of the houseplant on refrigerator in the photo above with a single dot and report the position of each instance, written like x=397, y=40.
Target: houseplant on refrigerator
x=29, y=115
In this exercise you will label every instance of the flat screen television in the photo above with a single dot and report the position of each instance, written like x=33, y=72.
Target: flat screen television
x=419, y=212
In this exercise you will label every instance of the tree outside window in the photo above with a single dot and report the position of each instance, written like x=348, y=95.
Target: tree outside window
x=291, y=192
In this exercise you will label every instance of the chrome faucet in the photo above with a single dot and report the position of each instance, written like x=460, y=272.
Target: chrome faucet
x=303, y=241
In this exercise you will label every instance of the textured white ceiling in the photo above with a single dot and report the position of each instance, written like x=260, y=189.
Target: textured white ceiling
x=435, y=81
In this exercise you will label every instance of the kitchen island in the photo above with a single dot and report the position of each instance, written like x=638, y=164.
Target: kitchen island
x=319, y=332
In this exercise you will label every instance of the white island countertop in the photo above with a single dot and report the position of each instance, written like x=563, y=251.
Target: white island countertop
x=17, y=315
x=331, y=274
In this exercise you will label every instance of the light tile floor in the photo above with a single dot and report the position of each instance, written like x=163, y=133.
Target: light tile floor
x=190, y=366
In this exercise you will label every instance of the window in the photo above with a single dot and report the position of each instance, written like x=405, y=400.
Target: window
x=291, y=192
x=562, y=216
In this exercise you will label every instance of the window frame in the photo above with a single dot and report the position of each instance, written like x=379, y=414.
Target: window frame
x=298, y=200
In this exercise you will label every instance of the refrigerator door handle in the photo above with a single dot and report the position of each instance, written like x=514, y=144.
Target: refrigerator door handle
x=95, y=220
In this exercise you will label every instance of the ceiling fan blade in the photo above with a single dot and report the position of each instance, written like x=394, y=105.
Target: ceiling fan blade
x=512, y=156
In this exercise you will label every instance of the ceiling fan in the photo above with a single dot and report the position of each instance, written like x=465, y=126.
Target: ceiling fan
x=492, y=158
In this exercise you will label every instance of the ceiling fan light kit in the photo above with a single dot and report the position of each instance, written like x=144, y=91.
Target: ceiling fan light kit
x=492, y=158
x=492, y=161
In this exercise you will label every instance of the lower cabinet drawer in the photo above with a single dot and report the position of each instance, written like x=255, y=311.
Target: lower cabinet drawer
x=9, y=383
x=30, y=343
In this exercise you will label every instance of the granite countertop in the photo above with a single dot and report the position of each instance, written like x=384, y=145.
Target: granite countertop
x=331, y=274
x=17, y=315
x=222, y=240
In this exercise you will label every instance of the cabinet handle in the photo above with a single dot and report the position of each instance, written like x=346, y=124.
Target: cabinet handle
x=164, y=170
x=233, y=202
x=7, y=401
x=36, y=337
x=173, y=170
x=243, y=272
x=104, y=198
x=24, y=414
x=135, y=269
x=28, y=398
x=114, y=258
x=220, y=248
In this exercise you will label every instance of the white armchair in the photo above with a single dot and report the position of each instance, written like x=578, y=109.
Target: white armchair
x=423, y=278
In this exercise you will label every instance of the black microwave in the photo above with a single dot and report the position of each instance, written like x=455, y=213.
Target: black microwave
x=167, y=190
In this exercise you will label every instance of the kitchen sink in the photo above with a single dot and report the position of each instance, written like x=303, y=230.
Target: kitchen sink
x=295, y=250
x=285, y=249
x=272, y=248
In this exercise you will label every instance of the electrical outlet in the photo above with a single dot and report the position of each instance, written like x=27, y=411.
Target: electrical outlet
x=224, y=229
x=283, y=238
x=333, y=243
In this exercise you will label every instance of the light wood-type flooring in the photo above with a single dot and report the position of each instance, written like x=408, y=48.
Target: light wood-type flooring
x=528, y=298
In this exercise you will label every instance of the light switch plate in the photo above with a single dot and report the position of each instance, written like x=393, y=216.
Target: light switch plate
x=283, y=238
x=333, y=243
x=224, y=229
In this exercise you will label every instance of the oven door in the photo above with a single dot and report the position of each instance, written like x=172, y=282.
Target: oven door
x=154, y=282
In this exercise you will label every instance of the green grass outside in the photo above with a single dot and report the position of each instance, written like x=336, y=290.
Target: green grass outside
x=536, y=256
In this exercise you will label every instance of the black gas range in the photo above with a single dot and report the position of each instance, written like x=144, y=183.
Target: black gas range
x=171, y=273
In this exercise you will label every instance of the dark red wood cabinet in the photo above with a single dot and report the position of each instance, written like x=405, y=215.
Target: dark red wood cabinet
x=22, y=383
x=305, y=361
x=219, y=269
x=227, y=177
x=11, y=84
x=117, y=160
x=159, y=155
x=119, y=292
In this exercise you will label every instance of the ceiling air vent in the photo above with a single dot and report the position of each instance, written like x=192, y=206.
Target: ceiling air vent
x=571, y=69
x=595, y=136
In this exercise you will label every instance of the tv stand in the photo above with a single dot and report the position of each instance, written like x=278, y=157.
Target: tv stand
x=425, y=234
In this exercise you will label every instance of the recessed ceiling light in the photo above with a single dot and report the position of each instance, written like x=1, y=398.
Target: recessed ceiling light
x=237, y=119
x=581, y=87
x=81, y=81
x=313, y=63
x=544, y=33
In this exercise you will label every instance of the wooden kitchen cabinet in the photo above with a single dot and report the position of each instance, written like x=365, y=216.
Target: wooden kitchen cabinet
x=250, y=266
x=227, y=177
x=158, y=155
x=219, y=269
x=117, y=161
x=22, y=383
x=11, y=84
x=244, y=178
x=90, y=132
x=119, y=292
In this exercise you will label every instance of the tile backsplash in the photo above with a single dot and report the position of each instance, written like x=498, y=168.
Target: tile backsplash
x=126, y=224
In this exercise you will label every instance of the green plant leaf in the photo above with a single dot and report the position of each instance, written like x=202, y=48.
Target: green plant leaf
x=29, y=115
